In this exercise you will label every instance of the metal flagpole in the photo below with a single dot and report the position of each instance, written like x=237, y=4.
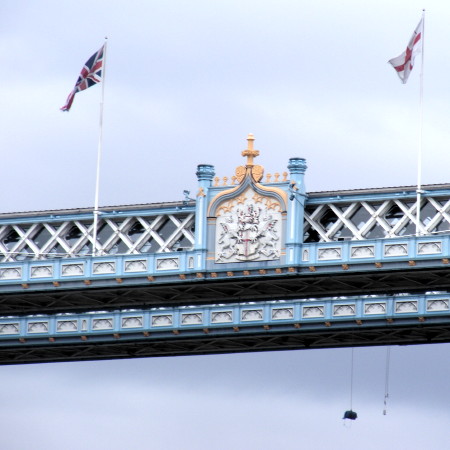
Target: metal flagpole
x=99, y=153
x=419, y=190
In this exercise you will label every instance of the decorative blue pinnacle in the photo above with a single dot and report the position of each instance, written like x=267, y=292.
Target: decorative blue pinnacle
x=205, y=172
x=297, y=165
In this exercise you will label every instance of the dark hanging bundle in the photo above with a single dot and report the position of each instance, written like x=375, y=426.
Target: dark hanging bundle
x=350, y=415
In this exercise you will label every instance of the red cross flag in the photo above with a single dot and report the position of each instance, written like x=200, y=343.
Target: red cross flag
x=404, y=63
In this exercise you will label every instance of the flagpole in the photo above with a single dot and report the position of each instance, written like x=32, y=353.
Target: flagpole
x=99, y=154
x=419, y=190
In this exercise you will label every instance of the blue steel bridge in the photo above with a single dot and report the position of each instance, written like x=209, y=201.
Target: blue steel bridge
x=253, y=263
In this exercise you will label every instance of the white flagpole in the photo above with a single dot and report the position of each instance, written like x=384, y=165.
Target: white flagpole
x=419, y=190
x=99, y=153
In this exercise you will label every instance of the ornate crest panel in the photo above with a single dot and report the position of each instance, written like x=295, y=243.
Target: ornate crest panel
x=248, y=228
x=246, y=221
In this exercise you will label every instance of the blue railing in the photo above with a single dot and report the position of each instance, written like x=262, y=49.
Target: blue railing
x=334, y=256
x=378, y=250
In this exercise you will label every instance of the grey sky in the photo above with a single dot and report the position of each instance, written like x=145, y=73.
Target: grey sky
x=185, y=83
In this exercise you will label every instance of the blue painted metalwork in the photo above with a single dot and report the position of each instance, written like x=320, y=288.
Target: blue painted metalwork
x=272, y=317
x=27, y=260
x=330, y=257
x=174, y=245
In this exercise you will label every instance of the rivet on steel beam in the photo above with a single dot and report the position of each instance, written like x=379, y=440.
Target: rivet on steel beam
x=199, y=275
x=22, y=340
x=116, y=336
x=25, y=285
x=182, y=276
x=297, y=325
x=421, y=319
x=119, y=280
x=345, y=266
x=312, y=268
x=213, y=275
x=246, y=273
x=266, y=327
x=176, y=332
x=151, y=278
x=378, y=265
x=56, y=283
x=236, y=329
x=328, y=324
x=84, y=338
x=230, y=274
x=87, y=282
x=445, y=260
x=262, y=271
x=278, y=270
x=411, y=263
x=358, y=322
x=51, y=339
x=146, y=334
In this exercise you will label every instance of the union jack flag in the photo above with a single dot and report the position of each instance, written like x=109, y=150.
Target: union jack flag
x=91, y=73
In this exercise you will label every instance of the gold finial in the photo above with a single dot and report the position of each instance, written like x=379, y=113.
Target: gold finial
x=250, y=141
x=250, y=153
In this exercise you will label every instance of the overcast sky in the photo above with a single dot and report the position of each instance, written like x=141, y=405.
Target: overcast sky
x=186, y=81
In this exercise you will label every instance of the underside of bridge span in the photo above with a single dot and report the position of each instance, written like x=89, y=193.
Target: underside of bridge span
x=292, y=284
x=289, y=285
x=248, y=340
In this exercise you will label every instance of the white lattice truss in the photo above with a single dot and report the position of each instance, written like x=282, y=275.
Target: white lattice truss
x=129, y=235
x=360, y=220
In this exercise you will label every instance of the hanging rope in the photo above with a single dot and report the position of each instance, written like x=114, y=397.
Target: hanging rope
x=386, y=379
x=350, y=414
x=351, y=381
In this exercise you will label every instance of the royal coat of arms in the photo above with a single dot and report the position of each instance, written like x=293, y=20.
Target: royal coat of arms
x=248, y=233
x=248, y=218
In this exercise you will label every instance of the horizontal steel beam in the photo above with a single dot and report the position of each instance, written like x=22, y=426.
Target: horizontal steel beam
x=242, y=327
x=238, y=343
x=282, y=284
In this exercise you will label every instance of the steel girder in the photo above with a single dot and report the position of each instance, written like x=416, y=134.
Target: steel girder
x=227, y=290
x=237, y=342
